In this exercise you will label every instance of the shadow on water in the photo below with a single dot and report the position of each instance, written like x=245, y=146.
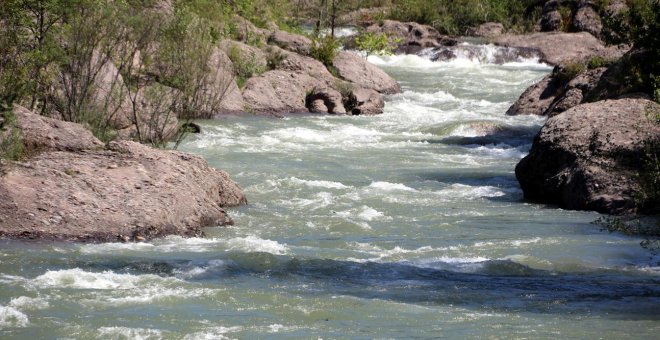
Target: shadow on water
x=491, y=285
x=513, y=136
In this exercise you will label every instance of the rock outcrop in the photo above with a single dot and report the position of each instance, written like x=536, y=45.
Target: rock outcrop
x=487, y=30
x=575, y=91
x=324, y=99
x=537, y=98
x=277, y=92
x=587, y=19
x=353, y=68
x=292, y=42
x=588, y=157
x=366, y=102
x=562, y=48
x=40, y=134
x=413, y=36
x=551, y=19
x=555, y=94
x=75, y=189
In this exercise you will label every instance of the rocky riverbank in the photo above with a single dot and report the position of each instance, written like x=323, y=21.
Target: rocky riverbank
x=73, y=187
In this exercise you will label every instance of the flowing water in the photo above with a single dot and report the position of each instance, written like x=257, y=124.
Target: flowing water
x=406, y=225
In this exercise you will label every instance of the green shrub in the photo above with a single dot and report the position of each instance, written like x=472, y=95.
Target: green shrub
x=373, y=43
x=324, y=49
x=274, y=59
x=245, y=66
x=597, y=62
x=11, y=141
x=566, y=73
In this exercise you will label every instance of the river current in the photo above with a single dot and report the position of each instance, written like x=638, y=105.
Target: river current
x=410, y=224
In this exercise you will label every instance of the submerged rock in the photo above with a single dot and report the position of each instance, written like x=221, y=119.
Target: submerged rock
x=123, y=192
x=589, y=157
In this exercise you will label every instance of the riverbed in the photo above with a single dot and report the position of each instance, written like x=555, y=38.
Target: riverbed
x=410, y=224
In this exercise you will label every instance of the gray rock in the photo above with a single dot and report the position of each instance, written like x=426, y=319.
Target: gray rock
x=562, y=48
x=586, y=19
x=324, y=99
x=366, y=102
x=41, y=134
x=487, y=30
x=292, y=42
x=588, y=157
x=551, y=21
x=278, y=92
x=537, y=98
x=357, y=70
x=413, y=36
x=126, y=192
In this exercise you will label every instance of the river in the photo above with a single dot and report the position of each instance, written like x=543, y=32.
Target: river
x=410, y=224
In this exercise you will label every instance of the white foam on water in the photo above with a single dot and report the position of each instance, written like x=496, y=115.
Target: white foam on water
x=12, y=317
x=212, y=333
x=382, y=254
x=317, y=183
x=212, y=266
x=318, y=201
x=256, y=244
x=80, y=279
x=469, y=192
x=130, y=333
x=364, y=213
x=387, y=186
x=404, y=61
x=29, y=303
x=151, y=294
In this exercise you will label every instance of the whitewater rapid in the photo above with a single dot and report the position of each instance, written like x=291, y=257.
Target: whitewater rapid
x=408, y=224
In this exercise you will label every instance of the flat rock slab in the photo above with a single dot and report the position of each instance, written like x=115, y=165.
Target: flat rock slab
x=126, y=192
x=561, y=48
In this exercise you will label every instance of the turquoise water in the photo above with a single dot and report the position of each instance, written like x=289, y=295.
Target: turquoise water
x=406, y=225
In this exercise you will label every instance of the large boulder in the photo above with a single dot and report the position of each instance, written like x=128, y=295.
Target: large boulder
x=324, y=99
x=562, y=48
x=551, y=19
x=589, y=157
x=128, y=192
x=587, y=19
x=41, y=134
x=366, y=102
x=290, y=41
x=537, y=98
x=278, y=92
x=353, y=68
x=294, y=62
x=221, y=94
x=574, y=92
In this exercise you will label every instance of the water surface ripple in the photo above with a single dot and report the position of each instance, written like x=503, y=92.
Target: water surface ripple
x=405, y=225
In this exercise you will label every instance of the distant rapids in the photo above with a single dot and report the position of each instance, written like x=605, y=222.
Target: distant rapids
x=410, y=224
